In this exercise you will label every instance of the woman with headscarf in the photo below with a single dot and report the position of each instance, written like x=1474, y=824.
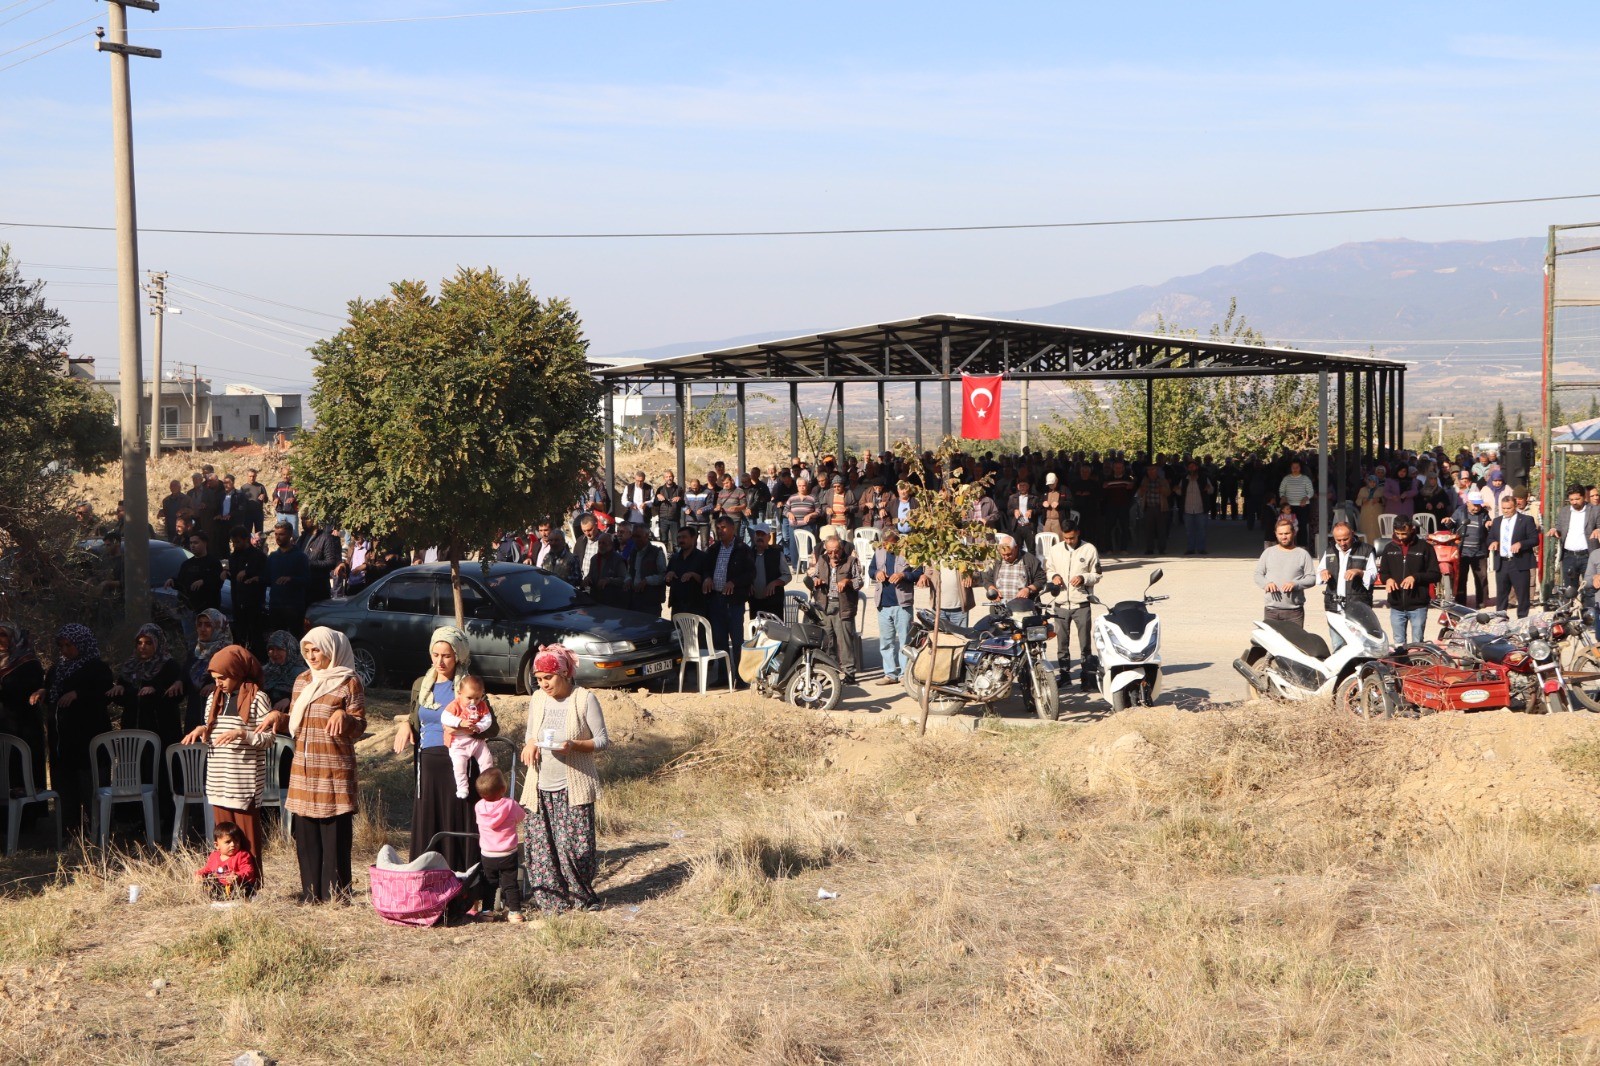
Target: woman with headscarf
x=435, y=808
x=149, y=689
x=326, y=716
x=211, y=634
x=21, y=675
x=74, y=702
x=1369, y=508
x=238, y=731
x=565, y=729
x=282, y=667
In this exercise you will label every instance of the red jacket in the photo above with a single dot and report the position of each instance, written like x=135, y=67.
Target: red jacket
x=237, y=869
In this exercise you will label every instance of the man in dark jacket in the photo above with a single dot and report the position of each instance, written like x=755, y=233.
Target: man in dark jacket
x=772, y=572
x=685, y=576
x=324, y=555
x=1471, y=522
x=1407, y=567
x=668, y=508
x=730, y=572
x=287, y=572
x=199, y=579
x=1015, y=574
x=247, y=572
x=1348, y=571
x=1513, y=543
x=647, y=567
x=607, y=579
x=835, y=586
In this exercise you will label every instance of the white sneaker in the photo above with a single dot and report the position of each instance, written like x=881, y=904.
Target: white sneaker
x=514, y=916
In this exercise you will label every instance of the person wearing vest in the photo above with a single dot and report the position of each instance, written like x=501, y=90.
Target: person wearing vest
x=647, y=568
x=685, y=576
x=565, y=729
x=1349, y=569
x=668, y=506
x=772, y=572
x=1471, y=523
x=897, y=586
x=835, y=584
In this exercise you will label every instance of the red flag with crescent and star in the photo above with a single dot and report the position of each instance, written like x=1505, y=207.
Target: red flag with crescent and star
x=980, y=407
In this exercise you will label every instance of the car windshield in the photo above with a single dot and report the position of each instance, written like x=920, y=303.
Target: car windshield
x=530, y=591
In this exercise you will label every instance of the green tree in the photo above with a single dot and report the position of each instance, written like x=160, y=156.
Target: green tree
x=1557, y=418
x=1498, y=428
x=446, y=420
x=940, y=535
x=1594, y=407
x=1521, y=426
x=51, y=427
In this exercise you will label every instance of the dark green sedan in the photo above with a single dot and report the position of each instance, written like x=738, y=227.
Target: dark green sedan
x=509, y=612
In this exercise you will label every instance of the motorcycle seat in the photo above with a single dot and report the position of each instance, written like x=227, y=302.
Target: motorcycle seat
x=1301, y=638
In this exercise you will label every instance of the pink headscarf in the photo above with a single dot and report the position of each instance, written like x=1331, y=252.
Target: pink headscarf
x=556, y=659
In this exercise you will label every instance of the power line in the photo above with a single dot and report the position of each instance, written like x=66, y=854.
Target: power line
x=46, y=37
x=854, y=231
x=257, y=331
x=30, y=11
x=41, y=55
x=280, y=322
x=250, y=296
x=395, y=21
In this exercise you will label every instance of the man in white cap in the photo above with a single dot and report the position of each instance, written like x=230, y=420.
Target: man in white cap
x=1471, y=522
x=772, y=572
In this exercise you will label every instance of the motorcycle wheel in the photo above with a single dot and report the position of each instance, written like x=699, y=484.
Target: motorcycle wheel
x=1421, y=654
x=819, y=691
x=1120, y=700
x=1046, y=694
x=1254, y=658
x=1347, y=696
x=1586, y=694
x=1374, y=701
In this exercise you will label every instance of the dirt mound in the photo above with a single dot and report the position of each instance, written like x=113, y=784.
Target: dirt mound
x=1441, y=769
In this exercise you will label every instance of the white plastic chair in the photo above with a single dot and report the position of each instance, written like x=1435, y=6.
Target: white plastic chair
x=1386, y=526
x=805, y=549
x=794, y=606
x=866, y=541
x=126, y=750
x=1043, y=542
x=16, y=748
x=187, y=762
x=696, y=651
x=1426, y=523
x=275, y=791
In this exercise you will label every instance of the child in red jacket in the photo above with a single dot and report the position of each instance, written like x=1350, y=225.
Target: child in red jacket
x=229, y=872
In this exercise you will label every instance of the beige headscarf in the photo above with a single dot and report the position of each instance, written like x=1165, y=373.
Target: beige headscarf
x=454, y=637
x=341, y=668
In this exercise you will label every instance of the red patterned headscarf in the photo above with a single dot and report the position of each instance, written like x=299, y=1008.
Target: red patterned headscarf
x=556, y=659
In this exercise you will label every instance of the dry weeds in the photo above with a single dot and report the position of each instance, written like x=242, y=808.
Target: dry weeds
x=1262, y=885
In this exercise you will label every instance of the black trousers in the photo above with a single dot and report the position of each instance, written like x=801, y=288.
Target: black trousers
x=1505, y=581
x=323, y=847
x=1479, y=569
x=501, y=871
x=846, y=642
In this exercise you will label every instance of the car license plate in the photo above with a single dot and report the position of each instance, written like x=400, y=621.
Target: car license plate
x=658, y=668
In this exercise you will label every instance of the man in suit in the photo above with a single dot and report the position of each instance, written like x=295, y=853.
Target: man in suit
x=1514, y=540
x=1022, y=509
x=730, y=571
x=1577, y=526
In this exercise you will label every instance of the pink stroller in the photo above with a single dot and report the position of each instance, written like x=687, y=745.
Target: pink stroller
x=419, y=892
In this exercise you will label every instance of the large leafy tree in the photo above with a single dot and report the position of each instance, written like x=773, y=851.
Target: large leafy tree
x=52, y=426
x=445, y=420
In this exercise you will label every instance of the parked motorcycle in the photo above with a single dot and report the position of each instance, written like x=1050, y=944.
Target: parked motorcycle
x=785, y=660
x=1292, y=663
x=984, y=663
x=1127, y=646
x=1525, y=648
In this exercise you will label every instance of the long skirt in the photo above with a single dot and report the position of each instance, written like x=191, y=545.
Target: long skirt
x=561, y=858
x=437, y=810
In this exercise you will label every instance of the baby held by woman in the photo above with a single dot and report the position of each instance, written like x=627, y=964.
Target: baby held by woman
x=468, y=715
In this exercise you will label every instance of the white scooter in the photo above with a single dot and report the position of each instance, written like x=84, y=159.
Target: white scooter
x=1127, y=644
x=1287, y=661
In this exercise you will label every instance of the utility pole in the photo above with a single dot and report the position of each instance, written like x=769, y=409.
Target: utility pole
x=158, y=308
x=1441, y=419
x=194, y=415
x=135, y=493
x=1024, y=437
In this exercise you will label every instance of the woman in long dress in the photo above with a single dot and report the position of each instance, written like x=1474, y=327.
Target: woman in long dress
x=1369, y=505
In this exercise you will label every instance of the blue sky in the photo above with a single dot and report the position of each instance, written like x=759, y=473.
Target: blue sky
x=711, y=114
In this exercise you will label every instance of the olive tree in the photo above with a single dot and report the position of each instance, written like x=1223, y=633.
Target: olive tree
x=445, y=420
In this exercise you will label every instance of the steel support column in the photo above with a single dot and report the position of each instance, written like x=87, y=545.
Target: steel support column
x=1343, y=466
x=1400, y=407
x=679, y=422
x=916, y=413
x=738, y=399
x=608, y=417
x=794, y=420
x=1369, y=424
x=1322, y=463
x=883, y=421
x=1150, y=420
x=838, y=413
x=944, y=370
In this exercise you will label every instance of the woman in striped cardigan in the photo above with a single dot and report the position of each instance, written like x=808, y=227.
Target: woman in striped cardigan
x=327, y=716
x=239, y=734
x=565, y=729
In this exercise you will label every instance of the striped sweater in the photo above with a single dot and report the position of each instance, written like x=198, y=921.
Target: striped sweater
x=236, y=772
x=322, y=778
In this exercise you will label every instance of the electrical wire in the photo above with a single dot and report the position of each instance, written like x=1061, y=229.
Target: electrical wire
x=236, y=340
x=30, y=11
x=47, y=51
x=301, y=348
x=246, y=295
x=853, y=231
x=290, y=327
x=46, y=37
x=398, y=20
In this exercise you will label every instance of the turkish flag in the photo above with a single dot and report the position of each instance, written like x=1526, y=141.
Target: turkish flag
x=980, y=407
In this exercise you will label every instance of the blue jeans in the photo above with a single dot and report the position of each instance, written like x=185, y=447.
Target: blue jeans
x=1402, y=622
x=894, y=629
x=726, y=615
x=1194, y=532
x=954, y=615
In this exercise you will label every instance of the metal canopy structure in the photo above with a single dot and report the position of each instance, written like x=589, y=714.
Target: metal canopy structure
x=1370, y=392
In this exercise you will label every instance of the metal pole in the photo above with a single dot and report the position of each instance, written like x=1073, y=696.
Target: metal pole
x=1344, y=453
x=883, y=420
x=838, y=413
x=738, y=397
x=681, y=392
x=1024, y=435
x=944, y=370
x=916, y=414
x=1383, y=410
x=1150, y=420
x=1323, y=506
x=1400, y=407
x=794, y=420
x=1547, y=483
x=1369, y=427
x=194, y=417
x=135, y=492
x=158, y=308
x=608, y=408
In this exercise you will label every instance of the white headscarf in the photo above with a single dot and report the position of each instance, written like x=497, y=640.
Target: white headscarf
x=454, y=637
x=341, y=668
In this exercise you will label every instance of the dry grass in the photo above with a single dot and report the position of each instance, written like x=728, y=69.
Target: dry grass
x=1228, y=888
